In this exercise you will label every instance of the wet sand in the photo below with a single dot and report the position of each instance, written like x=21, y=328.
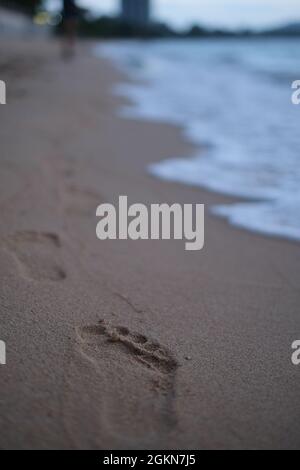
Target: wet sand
x=128, y=344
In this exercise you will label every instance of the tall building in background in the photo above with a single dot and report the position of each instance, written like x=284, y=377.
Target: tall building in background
x=136, y=11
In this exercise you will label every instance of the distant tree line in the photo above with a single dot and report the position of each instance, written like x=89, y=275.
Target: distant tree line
x=112, y=27
x=27, y=6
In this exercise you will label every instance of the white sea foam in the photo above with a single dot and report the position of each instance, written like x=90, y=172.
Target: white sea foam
x=233, y=99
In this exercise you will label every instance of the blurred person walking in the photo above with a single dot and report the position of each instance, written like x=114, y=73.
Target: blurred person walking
x=70, y=15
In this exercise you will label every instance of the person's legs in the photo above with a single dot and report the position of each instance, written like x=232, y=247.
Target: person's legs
x=70, y=33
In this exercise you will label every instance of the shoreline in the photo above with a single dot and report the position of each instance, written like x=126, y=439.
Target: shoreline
x=77, y=313
x=210, y=166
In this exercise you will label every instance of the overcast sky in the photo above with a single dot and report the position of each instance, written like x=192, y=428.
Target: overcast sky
x=229, y=13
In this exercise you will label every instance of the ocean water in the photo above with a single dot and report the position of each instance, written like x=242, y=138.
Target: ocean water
x=233, y=100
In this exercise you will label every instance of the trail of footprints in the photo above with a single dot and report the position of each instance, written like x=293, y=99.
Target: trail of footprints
x=37, y=255
x=148, y=353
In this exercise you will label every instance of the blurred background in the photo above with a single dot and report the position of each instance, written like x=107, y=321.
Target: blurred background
x=234, y=63
x=162, y=17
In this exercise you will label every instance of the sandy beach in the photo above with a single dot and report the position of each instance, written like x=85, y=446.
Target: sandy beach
x=128, y=344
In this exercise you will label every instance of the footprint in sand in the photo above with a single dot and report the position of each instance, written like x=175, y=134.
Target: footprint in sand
x=37, y=255
x=149, y=354
x=120, y=389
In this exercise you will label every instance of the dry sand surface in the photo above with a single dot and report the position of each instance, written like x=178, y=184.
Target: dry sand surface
x=123, y=344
